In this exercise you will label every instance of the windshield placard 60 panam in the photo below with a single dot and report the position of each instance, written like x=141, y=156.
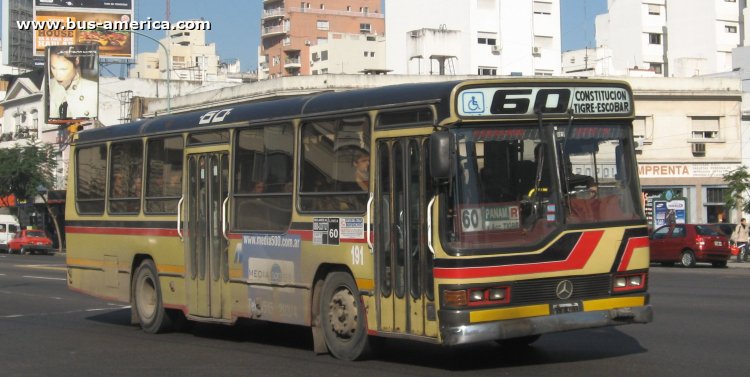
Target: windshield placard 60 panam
x=520, y=101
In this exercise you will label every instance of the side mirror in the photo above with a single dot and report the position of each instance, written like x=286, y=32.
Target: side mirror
x=442, y=148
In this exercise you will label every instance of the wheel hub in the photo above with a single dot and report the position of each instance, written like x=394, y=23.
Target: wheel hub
x=342, y=314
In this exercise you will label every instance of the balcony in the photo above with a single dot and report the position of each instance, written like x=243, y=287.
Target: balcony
x=337, y=12
x=273, y=13
x=292, y=63
x=270, y=1
x=272, y=31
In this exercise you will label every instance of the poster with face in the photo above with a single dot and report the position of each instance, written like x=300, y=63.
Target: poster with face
x=72, y=89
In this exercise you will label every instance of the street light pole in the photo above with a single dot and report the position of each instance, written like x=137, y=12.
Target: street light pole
x=169, y=66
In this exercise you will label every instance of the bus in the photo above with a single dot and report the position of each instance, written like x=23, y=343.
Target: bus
x=447, y=212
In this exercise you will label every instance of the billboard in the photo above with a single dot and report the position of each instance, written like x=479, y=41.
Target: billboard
x=91, y=4
x=71, y=22
x=72, y=89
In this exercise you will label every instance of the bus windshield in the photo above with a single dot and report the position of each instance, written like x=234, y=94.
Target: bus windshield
x=516, y=185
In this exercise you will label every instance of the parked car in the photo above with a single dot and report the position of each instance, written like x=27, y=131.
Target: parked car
x=725, y=228
x=688, y=244
x=30, y=241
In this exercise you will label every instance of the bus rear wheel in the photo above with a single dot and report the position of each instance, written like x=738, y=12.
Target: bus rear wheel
x=147, y=300
x=343, y=317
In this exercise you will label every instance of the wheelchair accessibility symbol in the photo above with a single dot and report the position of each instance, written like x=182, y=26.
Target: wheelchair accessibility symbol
x=473, y=102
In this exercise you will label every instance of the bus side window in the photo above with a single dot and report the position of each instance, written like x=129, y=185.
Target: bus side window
x=164, y=174
x=263, y=178
x=125, y=177
x=335, y=165
x=91, y=169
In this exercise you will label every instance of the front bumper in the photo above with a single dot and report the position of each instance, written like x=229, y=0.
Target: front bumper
x=515, y=328
x=31, y=247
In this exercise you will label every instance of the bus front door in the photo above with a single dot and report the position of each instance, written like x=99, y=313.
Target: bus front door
x=404, y=278
x=206, y=246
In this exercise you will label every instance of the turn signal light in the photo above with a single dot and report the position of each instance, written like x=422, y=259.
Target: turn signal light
x=456, y=299
x=476, y=297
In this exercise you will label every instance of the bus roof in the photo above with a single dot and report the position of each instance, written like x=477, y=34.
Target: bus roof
x=279, y=109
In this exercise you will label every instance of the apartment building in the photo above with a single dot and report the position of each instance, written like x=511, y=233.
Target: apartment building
x=671, y=38
x=349, y=53
x=289, y=29
x=482, y=37
x=191, y=58
x=689, y=134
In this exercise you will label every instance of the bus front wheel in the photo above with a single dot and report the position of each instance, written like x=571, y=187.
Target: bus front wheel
x=343, y=317
x=147, y=301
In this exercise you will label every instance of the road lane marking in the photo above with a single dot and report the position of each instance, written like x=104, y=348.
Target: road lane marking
x=116, y=307
x=55, y=267
x=43, y=277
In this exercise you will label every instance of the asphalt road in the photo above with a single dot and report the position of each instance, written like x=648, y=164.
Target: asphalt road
x=701, y=328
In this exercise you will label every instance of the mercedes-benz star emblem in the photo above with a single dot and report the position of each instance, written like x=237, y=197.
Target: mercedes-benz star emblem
x=564, y=289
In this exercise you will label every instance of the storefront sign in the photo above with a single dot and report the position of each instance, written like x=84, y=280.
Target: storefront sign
x=684, y=170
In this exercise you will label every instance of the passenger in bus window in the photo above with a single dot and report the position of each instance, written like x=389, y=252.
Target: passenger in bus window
x=361, y=164
x=259, y=187
x=118, y=185
x=174, y=184
x=135, y=190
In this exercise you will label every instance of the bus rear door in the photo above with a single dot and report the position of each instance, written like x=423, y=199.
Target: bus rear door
x=206, y=246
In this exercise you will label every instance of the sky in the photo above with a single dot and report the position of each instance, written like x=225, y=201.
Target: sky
x=236, y=24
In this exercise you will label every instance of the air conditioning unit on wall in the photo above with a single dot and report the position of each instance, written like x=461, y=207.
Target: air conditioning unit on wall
x=496, y=49
x=536, y=51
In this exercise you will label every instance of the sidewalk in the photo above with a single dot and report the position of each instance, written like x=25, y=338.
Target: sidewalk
x=732, y=263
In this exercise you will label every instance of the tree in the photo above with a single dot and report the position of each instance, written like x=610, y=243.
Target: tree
x=23, y=169
x=738, y=185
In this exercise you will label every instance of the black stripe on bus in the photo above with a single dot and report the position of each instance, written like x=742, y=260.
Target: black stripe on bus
x=138, y=224
x=627, y=235
x=558, y=251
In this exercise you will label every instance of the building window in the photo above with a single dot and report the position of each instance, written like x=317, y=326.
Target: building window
x=324, y=55
x=730, y=29
x=322, y=6
x=487, y=71
x=542, y=7
x=485, y=38
x=542, y=73
x=656, y=67
x=322, y=25
x=349, y=8
x=364, y=9
x=654, y=38
x=730, y=1
x=365, y=28
x=654, y=9
x=705, y=128
x=716, y=194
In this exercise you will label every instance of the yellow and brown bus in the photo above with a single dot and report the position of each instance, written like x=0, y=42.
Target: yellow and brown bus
x=497, y=209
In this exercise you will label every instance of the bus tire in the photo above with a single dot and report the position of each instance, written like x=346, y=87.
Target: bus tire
x=147, y=301
x=342, y=317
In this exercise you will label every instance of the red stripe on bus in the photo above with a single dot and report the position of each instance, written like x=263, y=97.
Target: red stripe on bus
x=577, y=259
x=122, y=231
x=633, y=243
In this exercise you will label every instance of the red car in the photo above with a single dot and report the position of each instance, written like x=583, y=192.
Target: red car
x=30, y=241
x=688, y=244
